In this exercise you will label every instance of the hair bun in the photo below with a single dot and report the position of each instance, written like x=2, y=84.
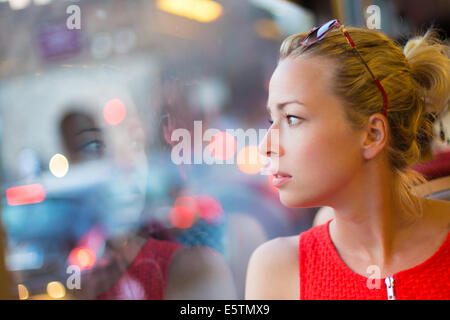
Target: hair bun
x=428, y=58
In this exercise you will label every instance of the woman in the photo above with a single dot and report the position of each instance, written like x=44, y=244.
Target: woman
x=140, y=259
x=352, y=112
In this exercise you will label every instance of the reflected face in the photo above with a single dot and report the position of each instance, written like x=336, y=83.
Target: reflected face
x=83, y=138
x=121, y=149
x=318, y=151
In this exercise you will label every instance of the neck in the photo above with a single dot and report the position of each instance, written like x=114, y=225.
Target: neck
x=369, y=221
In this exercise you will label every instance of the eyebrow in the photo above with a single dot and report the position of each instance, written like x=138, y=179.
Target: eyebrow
x=88, y=130
x=281, y=105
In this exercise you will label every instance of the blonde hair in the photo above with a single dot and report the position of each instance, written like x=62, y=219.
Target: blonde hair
x=417, y=82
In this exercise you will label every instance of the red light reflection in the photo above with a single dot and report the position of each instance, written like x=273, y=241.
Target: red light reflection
x=27, y=194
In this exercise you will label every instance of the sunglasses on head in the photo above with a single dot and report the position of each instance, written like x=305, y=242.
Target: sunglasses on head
x=318, y=33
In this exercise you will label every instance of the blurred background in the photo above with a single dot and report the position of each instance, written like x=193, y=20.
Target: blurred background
x=90, y=91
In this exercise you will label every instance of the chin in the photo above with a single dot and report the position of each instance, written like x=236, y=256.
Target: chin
x=294, y=200
x=290, y=200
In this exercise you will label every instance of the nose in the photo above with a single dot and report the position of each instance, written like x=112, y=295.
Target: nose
x=270, y=145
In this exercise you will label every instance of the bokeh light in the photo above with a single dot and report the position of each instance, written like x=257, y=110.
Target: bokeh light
x=59, y=165
x=23, y=292
x=83, y=257
x=209, y=208
x=199, y=10
x=223, y=146
x=250, y=161
x=181, y=217
x=186, y=202
x=19, y=4
x=114, y=112
x=56, y=290
x=32, y=193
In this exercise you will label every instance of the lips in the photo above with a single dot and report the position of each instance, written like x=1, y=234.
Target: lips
x=280, y=174
x=280, y=178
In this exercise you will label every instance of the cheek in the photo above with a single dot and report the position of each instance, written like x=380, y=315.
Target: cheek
x=322, y=162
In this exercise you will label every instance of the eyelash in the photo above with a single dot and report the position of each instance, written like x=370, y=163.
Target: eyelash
x=287, y=117
x=97, y=144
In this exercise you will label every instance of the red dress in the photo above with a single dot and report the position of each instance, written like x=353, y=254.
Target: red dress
x=323, y=274
x=146, y=277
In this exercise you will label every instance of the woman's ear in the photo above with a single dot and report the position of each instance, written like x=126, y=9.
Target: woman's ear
x=375, y=137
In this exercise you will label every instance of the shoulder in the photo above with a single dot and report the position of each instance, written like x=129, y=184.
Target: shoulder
x=273, y=270
x=282, y=248
x=196, y=258
x=199, y=273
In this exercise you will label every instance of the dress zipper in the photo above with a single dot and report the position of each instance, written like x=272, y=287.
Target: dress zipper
x=390, y=288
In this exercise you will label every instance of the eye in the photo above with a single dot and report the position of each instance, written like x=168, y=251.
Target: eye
x=293, y=120
x=92, y=148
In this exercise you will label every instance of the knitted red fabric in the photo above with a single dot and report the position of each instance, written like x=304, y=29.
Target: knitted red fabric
x=323, y=274
x=146, y=277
